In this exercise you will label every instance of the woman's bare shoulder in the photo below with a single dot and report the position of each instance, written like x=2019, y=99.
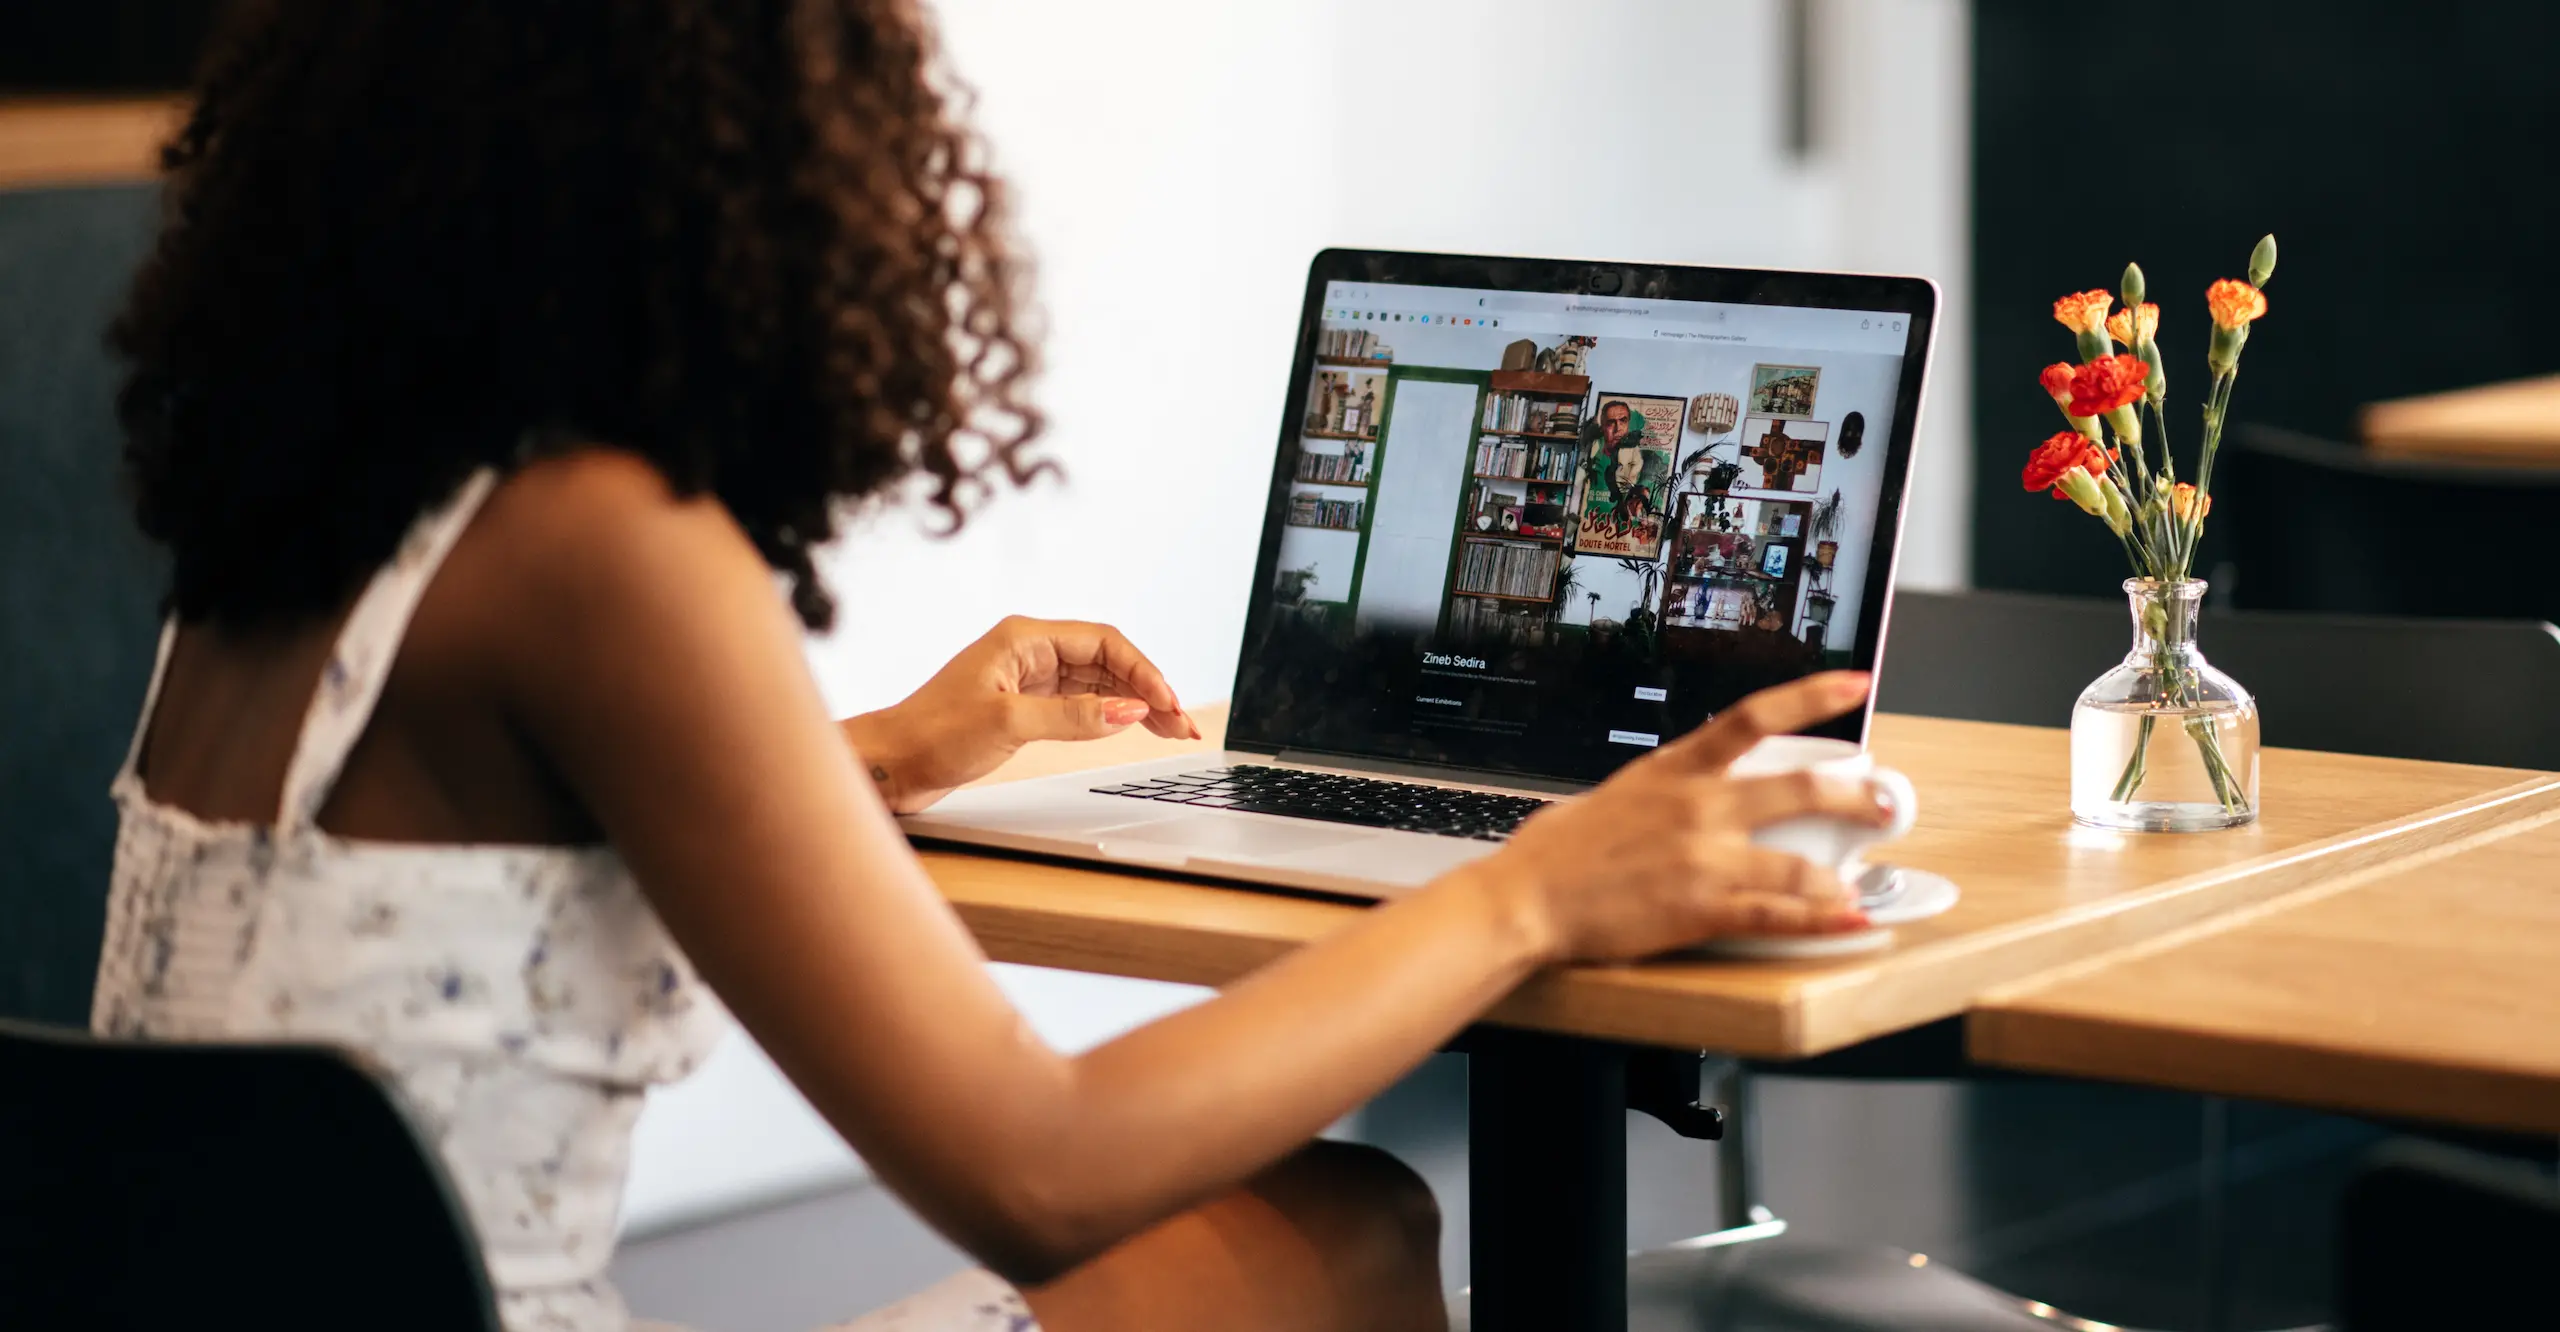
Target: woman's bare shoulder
x=594, y=544
x=588, y=521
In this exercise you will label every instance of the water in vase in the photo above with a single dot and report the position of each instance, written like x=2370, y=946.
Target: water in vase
x=2171, y=787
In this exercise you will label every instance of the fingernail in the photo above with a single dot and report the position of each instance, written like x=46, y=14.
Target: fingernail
x=1883, y=808
x=1854, y=683
x=1123, y=711
x=1850, y=918
x=1197, y=733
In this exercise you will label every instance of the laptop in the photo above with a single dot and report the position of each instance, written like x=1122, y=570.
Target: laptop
x=1528, y=519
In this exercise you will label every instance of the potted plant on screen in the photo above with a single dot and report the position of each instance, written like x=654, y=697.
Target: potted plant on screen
x=2163, y=742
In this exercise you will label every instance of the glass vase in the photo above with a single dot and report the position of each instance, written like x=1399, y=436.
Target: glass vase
x=2164, y=742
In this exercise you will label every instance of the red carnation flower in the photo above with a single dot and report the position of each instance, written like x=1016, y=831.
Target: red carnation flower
x=2065, y=450
x=2107, y=383
x=2057, y=381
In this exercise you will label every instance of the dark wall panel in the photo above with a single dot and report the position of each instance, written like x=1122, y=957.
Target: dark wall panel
x=101, y=45
x=2404, y=154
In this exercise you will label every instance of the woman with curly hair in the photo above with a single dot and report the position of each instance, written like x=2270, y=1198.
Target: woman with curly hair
x=494, y=358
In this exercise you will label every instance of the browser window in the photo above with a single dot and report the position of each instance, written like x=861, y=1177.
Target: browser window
x=1548, y=531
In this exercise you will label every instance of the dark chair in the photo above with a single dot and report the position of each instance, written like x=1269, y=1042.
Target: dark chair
x=2431, y=1236
x=2320, y=526
x=2351, y=684
x=151, y=1186
x=78, y=587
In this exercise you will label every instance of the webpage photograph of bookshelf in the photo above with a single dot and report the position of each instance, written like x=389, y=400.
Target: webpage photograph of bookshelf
x=1507, y=569
x=1347, y=468
x=1309, y=509
x=1353, y=344
x=1482, y=453
x=1531, y=413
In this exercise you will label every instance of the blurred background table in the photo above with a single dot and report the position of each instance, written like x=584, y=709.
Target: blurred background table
x=2514, y=422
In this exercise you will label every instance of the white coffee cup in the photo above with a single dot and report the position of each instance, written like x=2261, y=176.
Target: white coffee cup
x=1834, y=843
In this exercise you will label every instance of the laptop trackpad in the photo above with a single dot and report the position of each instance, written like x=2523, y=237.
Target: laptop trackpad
x=1225, y=838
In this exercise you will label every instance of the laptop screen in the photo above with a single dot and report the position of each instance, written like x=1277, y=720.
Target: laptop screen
x=1542, y=531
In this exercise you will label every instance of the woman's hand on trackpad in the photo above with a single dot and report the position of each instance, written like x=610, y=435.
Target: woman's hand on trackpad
x=1024, y=680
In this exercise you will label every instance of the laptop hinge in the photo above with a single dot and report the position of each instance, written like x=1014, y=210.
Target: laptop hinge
x=1433, y=771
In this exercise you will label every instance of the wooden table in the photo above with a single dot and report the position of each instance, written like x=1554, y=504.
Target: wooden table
x=1547, y=1082
x=2039, y=892
x=2422, y=990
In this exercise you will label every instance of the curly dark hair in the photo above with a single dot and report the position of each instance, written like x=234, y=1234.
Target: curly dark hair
x=748, y=240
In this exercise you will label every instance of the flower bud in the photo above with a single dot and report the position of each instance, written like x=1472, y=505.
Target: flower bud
x=2157, y=386
x=2262, y=260
x=2086, y=491
x=2132, y=286
x=2117, y=519
x=2128, y=427
x=2222, y=356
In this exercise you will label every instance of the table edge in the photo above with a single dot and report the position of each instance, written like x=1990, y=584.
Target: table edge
x=1830, y=1011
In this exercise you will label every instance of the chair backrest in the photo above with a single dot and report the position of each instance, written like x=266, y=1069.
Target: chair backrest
x=2431, y=1236
x=155, y=1187
x=2454, y=691
x=2315, y=525
x=78, y=586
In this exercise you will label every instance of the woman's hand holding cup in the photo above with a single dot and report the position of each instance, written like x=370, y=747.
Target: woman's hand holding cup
x=1662, y=855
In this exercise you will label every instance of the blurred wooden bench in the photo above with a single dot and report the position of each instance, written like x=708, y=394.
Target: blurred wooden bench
x=2515, y=422
x=82, y=140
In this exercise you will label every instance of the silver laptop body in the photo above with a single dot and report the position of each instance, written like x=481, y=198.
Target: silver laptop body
x=1801, y=389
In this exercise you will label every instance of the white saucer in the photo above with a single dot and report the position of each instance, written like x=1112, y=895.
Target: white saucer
x=1923, y=895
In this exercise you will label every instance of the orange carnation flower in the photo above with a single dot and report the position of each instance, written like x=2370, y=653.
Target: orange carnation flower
x=2107, y=383
x=2235, y=304
x=2057, y=381
x=2134, y=326
x=2083, y=311
x=2187, y=504
x=2057, y=455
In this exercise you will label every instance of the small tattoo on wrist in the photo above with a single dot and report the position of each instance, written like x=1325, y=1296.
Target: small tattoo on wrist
x=880, y=775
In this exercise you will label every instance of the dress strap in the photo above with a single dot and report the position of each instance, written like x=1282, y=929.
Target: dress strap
x=351, y=682
x=150, y=703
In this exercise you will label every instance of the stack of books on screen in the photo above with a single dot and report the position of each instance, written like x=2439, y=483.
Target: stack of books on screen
x=1349, y=468
x=1537, y=416
x=1309, y=509
x=1498, y=456
x=1353, y=344
x=1507, y=569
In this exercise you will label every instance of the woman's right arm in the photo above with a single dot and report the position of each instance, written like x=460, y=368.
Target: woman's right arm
x=647, y=656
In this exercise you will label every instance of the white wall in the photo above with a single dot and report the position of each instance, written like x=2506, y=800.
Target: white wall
x=1175, y=163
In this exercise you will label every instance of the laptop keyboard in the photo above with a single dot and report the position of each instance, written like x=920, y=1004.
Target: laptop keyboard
x=1332, y=798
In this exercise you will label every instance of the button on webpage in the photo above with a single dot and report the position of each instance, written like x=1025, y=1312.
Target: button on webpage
x=1645, y=738
x=1650, y=694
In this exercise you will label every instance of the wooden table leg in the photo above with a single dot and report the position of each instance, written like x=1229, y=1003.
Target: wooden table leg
x=1546, y=1183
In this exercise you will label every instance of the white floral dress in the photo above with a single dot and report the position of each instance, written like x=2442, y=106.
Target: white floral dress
x=522, y=999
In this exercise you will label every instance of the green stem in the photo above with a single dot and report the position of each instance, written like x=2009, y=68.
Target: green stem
x=2134, y=767
x=2227, y=789
x=2179, y=690
x=2218, y=405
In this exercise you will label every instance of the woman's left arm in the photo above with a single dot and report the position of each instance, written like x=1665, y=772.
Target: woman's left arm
x=1025, y=680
